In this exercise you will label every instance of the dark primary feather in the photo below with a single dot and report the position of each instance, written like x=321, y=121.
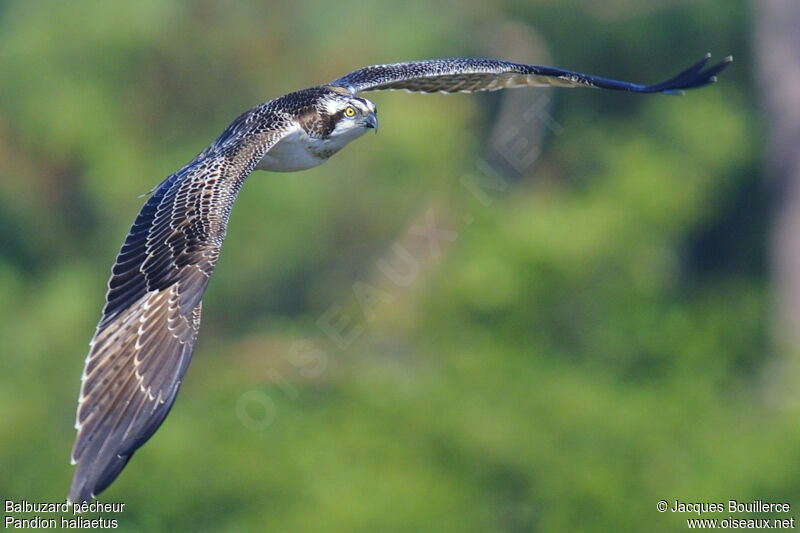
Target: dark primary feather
x=469, y=75
x=145, y=338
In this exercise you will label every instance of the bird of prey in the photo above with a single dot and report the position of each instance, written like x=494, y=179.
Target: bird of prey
x=149, y=325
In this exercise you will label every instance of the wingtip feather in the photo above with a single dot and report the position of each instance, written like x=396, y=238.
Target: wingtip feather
x=698, y=75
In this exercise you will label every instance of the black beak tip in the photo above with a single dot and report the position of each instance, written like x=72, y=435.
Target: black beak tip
x=372, y=122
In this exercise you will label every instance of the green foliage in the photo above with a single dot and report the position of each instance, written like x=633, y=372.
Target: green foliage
x=593, y=341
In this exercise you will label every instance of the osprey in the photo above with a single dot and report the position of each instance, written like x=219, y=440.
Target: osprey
x=145, y=338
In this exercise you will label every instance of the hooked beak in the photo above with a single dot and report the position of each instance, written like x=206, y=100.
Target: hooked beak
x=371, y=122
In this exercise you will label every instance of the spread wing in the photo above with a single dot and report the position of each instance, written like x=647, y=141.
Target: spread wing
x=146, y=336
x=469, y=75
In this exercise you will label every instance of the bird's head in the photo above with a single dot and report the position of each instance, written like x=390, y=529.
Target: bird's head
x=346, y=117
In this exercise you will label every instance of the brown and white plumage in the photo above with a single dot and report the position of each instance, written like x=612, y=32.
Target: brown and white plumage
x=149, y=326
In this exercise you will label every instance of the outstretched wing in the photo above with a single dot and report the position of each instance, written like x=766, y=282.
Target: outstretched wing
x=146, y=336
x=469, y=75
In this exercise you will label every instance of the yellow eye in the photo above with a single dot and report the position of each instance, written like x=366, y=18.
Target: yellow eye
x=349, y=112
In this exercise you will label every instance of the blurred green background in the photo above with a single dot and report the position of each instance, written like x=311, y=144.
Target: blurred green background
x=590, y=339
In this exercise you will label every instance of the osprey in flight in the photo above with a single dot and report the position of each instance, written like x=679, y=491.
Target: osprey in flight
x=145, y=338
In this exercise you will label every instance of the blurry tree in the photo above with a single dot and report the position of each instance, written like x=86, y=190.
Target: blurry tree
x=778, y=62
x=524, y=118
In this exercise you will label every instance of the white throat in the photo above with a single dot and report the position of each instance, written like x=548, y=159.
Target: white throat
x=298, y=151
